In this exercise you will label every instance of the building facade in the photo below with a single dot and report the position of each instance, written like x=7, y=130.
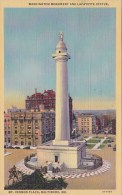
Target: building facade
x=48, y=99
x=32, y=128
x=7, y=129
x=113, y=126
x=15, y=109
x=87, y=123
x=98, y=125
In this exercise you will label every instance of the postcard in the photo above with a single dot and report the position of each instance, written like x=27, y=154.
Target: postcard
x=60, y=97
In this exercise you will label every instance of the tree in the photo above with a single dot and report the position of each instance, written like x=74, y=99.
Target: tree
x=37, y=181
x=57, y=184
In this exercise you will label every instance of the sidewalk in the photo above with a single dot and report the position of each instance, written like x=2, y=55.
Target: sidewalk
x=88, y=138
x=7, y=153
x=98, y=144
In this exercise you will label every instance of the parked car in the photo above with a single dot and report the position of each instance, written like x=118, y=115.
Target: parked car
x=114, y=148
x=109, y=145
x=17, y=147
x=10, y=147
x=27, y=147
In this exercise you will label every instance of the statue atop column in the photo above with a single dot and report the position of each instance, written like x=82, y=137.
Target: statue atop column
x=61, y=36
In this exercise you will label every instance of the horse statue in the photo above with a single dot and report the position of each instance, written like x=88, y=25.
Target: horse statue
x=14, y=175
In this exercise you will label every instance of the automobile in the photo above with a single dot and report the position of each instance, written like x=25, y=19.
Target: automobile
x=10, y=147
x=109, y=145
x=17, y=147
x=27, y=147
x=114, y=148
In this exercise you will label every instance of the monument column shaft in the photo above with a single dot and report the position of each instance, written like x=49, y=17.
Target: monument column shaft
x=62, y=128
x=62, y=101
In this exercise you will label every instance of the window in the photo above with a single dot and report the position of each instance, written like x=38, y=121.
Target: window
x=29, y=143
x=15, y=131
x=22, y=143
x=16, y=142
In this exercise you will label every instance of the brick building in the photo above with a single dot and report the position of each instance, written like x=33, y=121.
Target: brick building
x=7, y=129
x=98, y=125
x=47, y=98
x=32, y=128
x=113, y=126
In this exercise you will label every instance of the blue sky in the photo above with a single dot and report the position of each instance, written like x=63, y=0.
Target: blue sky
x=31, y=36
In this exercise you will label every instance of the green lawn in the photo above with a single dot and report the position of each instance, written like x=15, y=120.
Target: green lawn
x=93, y=141
x=105, y=142
x=90, y=146
x=101, y=146
x=100, y=136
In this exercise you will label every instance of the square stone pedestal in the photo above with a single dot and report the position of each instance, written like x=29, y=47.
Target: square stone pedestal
x=70, y=155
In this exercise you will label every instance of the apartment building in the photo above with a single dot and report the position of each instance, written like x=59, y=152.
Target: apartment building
x=48, y=99
x=32, y=128
x=7, y=129
x=86, y=123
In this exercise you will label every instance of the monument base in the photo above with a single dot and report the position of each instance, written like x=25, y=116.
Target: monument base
x=70, y=155
x=61, y=142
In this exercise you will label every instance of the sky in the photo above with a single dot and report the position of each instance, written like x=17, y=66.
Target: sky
x=30, y=38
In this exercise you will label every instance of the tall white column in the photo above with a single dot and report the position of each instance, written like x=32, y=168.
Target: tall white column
x=62, y=130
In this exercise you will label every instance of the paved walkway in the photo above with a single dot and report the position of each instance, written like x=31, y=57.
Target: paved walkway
x=76, y=173
x=88, y=138
x=105, y=167
x=25, y=170
x=7, y=153
x=99, y=143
